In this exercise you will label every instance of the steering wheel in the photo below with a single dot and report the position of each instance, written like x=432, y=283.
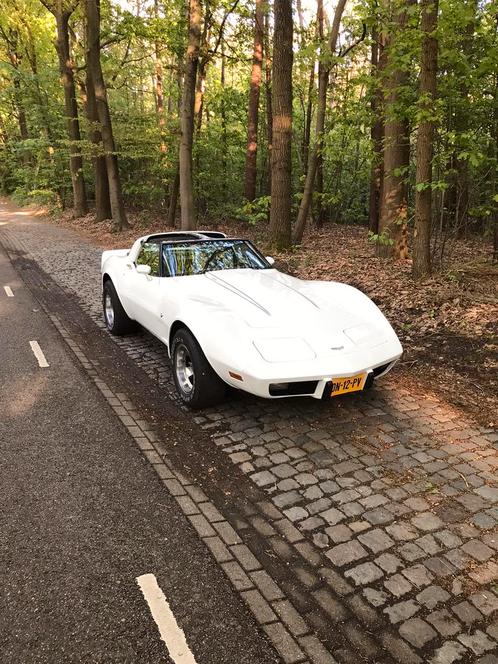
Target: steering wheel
x=220, y=250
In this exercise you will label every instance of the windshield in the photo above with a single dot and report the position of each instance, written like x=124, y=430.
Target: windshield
x=187, y=258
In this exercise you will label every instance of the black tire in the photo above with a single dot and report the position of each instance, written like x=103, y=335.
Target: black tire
x=115, y=317
x=203, y=387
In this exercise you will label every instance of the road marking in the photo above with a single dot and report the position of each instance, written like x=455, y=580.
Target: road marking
x=172, y=635
x=8, y=290
x=38, y=353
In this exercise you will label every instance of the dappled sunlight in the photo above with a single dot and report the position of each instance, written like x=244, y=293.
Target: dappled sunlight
x=282, y=123
x=4, y=306
x=20, y=395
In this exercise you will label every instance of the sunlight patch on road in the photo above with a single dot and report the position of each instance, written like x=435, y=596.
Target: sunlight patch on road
x=38, y=353
x=172, y=635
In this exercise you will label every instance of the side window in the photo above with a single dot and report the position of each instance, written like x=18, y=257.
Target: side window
x=149, y=255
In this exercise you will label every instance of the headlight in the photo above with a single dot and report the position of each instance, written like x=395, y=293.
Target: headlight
x=284, y=350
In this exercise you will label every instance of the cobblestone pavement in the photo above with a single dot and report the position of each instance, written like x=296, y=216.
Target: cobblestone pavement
x=390, y=496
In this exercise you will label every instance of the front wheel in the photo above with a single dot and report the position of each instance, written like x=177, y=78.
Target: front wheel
x=197, y=384
x=116, y=319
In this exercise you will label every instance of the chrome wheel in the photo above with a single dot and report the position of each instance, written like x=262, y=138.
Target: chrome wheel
x=108, y=310
x=184, y=369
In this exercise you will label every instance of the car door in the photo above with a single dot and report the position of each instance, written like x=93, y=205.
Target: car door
x=144, y=290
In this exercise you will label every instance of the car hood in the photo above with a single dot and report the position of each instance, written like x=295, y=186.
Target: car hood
x=275, y=304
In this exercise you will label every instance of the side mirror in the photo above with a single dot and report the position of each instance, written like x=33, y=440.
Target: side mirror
x=270, y=260
x=143, y=269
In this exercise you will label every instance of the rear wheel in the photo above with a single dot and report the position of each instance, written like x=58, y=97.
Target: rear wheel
x=197, y=384
x=116, y=319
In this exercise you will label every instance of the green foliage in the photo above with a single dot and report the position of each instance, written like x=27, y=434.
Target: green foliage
x=381, y=239
x=35, y=168
x=254, y=212
x=44, y=197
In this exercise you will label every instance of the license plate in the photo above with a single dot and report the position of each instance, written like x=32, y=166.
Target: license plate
x=348, y=384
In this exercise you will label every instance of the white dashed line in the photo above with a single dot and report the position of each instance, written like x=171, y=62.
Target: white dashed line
x=38, y=353
x=170, y=632
x=8, y=290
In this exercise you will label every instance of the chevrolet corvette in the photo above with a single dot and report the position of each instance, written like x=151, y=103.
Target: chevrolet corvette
x=228, y=317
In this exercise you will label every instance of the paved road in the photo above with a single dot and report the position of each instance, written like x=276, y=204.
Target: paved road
x=359, y=530
x=82, y=514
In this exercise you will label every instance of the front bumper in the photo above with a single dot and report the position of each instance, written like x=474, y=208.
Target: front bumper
x=317, y=387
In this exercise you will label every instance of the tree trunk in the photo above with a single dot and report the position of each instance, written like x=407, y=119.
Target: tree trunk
x=319, y=208
x=173, y=199
x=281, y=161
x=41, y=96
x=102, y=200
x=253, y=110
x=224, y=136
x=393, y=211
x=494, y=161
x=269, y=112
x=376, y=133
x=71, y=108
x=323, y=79
x=200, y=88
x=188, y=221
x=15, y=61
x=425, y=141
x=308, y=118
x=175, y=184
x=319, y=213
x=159, y=84
x=300, y=17
x=93, y=44
x=460, y=197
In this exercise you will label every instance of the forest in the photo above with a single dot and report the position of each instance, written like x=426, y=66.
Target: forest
x=284, y=116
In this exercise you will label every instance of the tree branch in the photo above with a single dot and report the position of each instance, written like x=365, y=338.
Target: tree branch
x=343, y=53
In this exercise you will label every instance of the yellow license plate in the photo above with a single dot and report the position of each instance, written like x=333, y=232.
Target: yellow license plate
x=348, y=384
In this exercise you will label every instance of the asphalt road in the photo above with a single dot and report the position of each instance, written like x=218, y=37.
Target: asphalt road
x=82, y=515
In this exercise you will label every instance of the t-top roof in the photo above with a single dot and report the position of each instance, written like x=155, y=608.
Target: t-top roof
x=178, y=236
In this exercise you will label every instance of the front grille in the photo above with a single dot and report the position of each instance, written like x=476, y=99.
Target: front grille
x=293, y=389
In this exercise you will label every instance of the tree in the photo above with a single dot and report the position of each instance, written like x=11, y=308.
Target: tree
x=101, y=182
x=425, y=140
x=11, y=38
x=320, y=212
x=158, y=67
x=460, y=121
x=326, y=59
x=104, y=115
x=253, y=110
x=268, y=94
x=396, y=156
x=188, y=216
x=62, y=12
x=281, y=155
x=377, y=61
x=494, y=161
x=142, y=55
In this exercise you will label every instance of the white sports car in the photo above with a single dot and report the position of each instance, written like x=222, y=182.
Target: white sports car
x=228, y=317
